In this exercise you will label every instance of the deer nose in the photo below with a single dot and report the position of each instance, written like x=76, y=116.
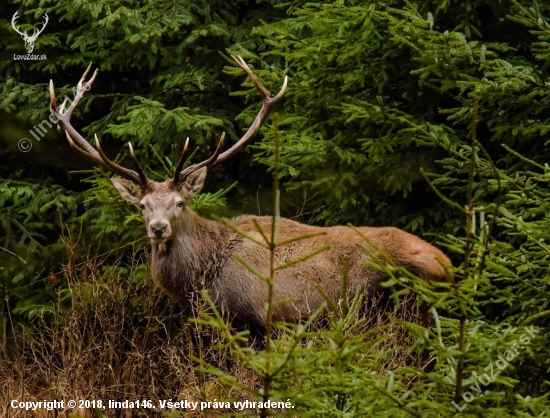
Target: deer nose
x=158, y=230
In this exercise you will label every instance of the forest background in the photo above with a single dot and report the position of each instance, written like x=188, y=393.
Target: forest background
x=432, y=116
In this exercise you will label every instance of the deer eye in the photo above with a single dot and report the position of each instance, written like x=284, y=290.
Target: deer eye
x=180, y=204
x=142, y=206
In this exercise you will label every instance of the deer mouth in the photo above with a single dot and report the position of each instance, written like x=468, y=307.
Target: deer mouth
x=158, y=240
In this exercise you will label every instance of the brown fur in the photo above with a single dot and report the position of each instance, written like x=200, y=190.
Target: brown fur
x=198, y=253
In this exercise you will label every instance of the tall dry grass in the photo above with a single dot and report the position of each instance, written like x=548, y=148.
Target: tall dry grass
x=113, y=335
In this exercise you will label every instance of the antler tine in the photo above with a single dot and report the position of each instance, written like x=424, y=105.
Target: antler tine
x=79, y=85
x=62, y=107
x=267, y=105
x=64, y=124
x=81, y=89
x=140, y=171
x=64, y=117
x=117, y=169
x=82, y=152
x=180, y=163
x=73, y=145
x=88, y=85
x=207, y=163
x=77, y=141
x=103, y=160
x=241, y=63
x=53, y=101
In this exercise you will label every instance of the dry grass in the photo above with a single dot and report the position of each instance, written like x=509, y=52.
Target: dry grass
x=119, y=338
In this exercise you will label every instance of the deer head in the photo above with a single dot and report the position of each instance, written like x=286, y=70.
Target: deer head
x=29, y=40
x=164, y=204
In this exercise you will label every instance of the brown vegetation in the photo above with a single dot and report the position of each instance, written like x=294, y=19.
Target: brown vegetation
x=110, y=343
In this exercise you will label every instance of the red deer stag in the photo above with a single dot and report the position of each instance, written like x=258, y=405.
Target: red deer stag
x=189, y=251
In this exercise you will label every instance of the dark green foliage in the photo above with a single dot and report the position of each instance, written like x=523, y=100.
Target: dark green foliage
x=377, y=92
x=153, y=96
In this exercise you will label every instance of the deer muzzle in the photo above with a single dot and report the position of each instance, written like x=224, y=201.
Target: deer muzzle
x=159, y=230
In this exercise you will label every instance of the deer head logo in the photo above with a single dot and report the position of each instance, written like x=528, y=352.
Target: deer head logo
x=29, y=40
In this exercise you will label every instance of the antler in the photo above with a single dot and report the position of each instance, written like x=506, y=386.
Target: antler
x=217, y=158
x=80, y=144
x=14, y=21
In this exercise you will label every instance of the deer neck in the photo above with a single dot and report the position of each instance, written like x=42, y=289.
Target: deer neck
x=189, y=259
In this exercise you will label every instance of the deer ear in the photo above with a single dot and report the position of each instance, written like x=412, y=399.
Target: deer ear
x=127, y=190
x=195, y=181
